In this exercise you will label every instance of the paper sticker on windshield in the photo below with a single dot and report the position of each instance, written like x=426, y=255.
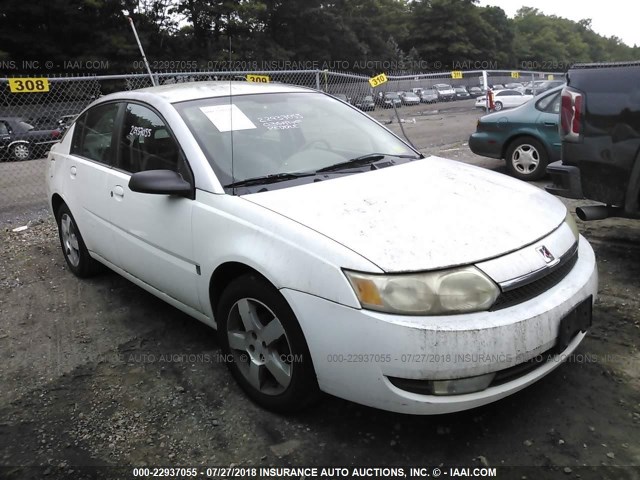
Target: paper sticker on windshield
x=227, y=117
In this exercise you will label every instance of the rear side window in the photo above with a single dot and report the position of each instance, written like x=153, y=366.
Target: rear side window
x=550, y=103
x=94, y=132
x=4, y=130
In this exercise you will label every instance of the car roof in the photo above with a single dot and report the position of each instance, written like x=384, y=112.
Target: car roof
x=180, y=92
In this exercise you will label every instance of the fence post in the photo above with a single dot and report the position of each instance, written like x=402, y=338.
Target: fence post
x=317, y=79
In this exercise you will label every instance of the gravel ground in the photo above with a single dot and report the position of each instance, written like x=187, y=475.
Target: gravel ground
x=101, y=373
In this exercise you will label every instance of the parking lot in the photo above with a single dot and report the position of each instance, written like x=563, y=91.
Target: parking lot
x=100, y=372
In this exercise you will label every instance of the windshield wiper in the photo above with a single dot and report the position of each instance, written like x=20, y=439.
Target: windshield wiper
x=266, y=179
x=363, y=160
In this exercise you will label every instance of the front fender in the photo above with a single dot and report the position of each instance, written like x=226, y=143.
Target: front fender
x=228, y=228
x=16, y=142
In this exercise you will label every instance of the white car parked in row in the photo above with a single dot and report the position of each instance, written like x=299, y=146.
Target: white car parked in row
x=504, y=99
x=329, y=255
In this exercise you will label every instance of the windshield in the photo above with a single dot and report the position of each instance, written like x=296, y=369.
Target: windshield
x=276, y=133
x=391, y=95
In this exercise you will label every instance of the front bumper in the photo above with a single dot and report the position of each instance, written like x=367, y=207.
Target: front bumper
x=356, y=351
x=566, y=180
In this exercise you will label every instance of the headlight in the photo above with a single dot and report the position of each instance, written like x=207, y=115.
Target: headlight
x=572, y=225
x=458, y=290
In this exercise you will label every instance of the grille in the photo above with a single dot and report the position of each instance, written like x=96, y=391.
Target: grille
x=536, y=287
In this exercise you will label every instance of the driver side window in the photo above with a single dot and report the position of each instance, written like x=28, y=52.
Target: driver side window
x=146, y=143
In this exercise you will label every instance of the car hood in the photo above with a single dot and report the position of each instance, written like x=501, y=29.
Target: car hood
x=423, y=215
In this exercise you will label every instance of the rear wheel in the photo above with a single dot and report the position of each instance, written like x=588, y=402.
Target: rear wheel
x=497, y=106
x=527, y=159
x=73, y=247
x=268, y=355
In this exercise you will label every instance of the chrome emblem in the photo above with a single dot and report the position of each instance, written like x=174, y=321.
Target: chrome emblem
x=546, y=254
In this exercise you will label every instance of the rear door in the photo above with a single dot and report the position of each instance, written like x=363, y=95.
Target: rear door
x=88, y=167
x=547, y=123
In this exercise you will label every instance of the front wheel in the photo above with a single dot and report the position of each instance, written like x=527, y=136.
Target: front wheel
x=527, y=159
x=498, y=106
x=20, y=152
x=266, y=350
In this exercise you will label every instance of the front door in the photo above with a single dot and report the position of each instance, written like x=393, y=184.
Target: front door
x=153, y=233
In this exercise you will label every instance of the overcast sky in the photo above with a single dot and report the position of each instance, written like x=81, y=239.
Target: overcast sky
x=608, y=18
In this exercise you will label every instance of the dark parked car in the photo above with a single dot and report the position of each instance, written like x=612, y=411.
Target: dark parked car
x=429, y=96
x=19, y=140
x=365, y=103
x=462, y=93
x=389, y=99
x=526, y=137
x=476, y=92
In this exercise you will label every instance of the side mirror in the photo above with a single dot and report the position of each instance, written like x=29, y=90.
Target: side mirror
x=161, y=182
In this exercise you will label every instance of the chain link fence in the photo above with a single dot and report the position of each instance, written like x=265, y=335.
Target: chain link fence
x=30, y=122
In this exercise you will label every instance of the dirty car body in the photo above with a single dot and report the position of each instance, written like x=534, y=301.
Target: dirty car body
x=329, y=255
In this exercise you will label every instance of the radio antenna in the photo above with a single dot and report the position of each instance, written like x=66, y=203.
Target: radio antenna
x=233, y=176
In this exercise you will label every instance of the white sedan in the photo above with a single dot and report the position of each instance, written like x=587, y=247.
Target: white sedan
x=329, y=255
x=504, y=99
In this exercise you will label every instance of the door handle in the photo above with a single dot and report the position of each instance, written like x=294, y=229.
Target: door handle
x=118, y=192
x=551, y=124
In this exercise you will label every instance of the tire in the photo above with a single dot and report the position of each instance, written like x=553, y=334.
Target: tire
x=527, y=159
x=73, y=248
x=20, y=152
x=270, y=361
x=497, y=106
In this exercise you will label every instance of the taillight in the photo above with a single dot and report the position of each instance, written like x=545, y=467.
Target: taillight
x=55, y=134
x=571, y=115
x=576, y=125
